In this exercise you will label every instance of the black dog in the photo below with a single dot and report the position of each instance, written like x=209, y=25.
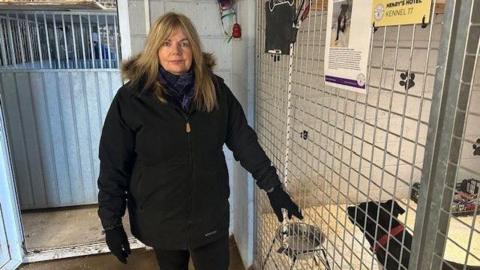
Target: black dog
x=342, y=19
x=374, y=220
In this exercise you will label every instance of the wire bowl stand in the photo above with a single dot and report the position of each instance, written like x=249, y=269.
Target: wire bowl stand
x=300, y=241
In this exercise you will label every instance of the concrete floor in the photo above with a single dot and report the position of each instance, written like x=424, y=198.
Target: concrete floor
x=62, y=227
x=66, y=227
x=139, y=259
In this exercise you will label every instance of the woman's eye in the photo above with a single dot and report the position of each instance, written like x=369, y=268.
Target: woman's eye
x=167, y=44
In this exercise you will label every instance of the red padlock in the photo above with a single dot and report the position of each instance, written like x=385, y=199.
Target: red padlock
x=236, y=31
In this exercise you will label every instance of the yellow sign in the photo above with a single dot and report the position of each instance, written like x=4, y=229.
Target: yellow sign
x=391, y=12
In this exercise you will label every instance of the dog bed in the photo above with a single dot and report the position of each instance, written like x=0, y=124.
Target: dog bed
x=465, y=200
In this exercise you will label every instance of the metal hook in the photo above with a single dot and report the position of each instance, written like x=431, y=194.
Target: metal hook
x=424, y=25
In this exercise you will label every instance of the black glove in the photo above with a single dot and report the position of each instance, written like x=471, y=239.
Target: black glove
x=117, y=242
x=280, y=199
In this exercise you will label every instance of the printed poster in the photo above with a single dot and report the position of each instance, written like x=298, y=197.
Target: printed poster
x=349, y=30
x=388, y=12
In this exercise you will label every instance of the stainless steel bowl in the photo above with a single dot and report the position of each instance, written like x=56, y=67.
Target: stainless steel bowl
x=299, y=240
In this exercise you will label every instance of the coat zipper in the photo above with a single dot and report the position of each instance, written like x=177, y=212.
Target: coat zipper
x=188, y=130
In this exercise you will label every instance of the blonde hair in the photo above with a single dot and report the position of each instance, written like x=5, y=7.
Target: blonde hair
x=142, y=70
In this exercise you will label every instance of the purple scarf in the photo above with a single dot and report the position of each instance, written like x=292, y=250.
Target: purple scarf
x=180, y=88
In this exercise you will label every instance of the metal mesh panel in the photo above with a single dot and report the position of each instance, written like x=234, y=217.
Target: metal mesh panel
x=271, y=119
x=335, y=148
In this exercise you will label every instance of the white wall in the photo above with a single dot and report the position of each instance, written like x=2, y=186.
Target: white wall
x=243, y=85
x=235, y=62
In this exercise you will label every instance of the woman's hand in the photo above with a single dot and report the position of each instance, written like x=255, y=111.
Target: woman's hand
x=117, y=242
x=280, y=199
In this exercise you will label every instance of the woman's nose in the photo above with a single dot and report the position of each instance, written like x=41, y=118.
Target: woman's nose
x=177, y=49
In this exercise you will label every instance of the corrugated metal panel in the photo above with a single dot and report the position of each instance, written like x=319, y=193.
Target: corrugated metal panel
x=54, y=120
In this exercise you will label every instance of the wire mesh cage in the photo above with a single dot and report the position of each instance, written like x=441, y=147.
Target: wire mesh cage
x=336, y=149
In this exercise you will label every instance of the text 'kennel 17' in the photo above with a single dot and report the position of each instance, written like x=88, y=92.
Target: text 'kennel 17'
x=386, y=168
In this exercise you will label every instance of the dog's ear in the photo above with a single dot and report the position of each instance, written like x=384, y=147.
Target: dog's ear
x=356, y=214
x=351, y=211
x=393, y=206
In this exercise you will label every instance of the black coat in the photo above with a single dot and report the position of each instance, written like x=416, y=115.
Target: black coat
x=169, y=167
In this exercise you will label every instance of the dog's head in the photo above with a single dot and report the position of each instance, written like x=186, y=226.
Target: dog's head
x=372, y=216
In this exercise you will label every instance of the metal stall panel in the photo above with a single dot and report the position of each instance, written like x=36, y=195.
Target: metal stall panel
x=54, y=121
x=58, y=74
x=346, y=148
x=59, y=40
x=270, y=123
x=451, y=225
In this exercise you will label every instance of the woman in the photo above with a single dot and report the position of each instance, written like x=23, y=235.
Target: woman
x=161, y=153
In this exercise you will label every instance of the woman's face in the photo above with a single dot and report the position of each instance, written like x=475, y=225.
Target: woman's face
x=175, y=54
